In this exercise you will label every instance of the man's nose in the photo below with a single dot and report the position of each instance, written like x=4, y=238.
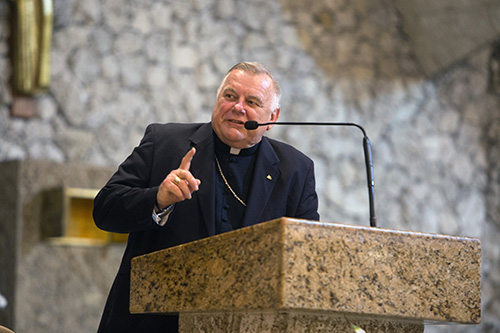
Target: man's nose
x=240, y=106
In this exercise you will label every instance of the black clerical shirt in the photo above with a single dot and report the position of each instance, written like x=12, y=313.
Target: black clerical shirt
x=237, y=166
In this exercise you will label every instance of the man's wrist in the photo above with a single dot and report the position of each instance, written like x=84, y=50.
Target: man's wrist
x=158, y=217
x=158, y=208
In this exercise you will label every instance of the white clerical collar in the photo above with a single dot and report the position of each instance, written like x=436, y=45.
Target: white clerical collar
x=234, y=151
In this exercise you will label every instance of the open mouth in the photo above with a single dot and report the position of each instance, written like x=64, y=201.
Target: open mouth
x=236, y=122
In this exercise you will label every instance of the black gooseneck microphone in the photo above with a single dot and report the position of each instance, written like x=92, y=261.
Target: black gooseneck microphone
x=252, y=125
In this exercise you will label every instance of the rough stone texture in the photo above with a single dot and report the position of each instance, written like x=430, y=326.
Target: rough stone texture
x=49, y=287
x=289, y=264
x=119, y=65
x=447, y=31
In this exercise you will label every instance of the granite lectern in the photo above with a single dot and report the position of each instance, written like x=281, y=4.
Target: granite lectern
x=290, y=275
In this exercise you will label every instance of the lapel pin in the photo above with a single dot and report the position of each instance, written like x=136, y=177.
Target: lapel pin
x=269, y=177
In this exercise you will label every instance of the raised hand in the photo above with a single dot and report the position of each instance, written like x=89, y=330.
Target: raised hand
x=179, y=183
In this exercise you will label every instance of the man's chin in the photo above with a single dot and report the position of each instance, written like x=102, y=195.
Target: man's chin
x=240, y=143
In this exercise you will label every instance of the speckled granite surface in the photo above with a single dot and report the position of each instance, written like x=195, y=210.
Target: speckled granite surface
x=287, y=322
x=296, y=265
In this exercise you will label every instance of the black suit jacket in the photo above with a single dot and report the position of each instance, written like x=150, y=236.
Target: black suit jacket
x=126, y=202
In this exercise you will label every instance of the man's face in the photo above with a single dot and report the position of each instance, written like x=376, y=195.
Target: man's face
x=242, y=97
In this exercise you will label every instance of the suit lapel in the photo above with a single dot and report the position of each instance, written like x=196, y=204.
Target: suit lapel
x=202, y=167
x=265, y=175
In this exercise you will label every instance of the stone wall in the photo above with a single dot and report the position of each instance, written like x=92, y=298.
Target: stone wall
x=119, y=65
x=50, y=287
x=447, y=31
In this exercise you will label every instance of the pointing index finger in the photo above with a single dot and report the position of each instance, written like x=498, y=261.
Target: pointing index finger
x=186, y=160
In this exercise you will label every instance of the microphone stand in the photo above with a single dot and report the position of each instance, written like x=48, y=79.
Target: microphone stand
x=251, y=125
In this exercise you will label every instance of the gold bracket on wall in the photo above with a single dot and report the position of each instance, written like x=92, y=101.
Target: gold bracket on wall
x=66, y=218
x=31, y=36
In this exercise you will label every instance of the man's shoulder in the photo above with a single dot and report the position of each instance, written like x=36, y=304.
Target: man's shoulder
x=180, y=127
x=175, y=129
x=285, y=151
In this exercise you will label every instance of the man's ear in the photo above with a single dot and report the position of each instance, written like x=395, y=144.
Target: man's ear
x=274, y=117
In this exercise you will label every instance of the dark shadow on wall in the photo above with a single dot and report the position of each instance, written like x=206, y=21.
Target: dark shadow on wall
x=360, y=39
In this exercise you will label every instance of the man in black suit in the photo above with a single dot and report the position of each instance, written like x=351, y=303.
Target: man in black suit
x=190, y=181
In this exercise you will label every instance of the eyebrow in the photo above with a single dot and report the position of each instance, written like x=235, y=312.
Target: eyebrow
x=251, y=97
x=257, y=99
x=228, y=89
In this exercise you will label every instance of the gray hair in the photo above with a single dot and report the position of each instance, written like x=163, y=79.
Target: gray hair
x=256, y=69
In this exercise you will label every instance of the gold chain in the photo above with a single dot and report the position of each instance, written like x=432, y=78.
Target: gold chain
x=227, y=184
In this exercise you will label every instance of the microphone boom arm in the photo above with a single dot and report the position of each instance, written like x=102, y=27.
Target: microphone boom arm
x=251, y=125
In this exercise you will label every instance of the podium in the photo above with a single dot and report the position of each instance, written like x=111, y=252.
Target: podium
x=291, y=275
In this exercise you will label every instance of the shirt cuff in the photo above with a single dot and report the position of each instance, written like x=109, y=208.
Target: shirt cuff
x=162, y=217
